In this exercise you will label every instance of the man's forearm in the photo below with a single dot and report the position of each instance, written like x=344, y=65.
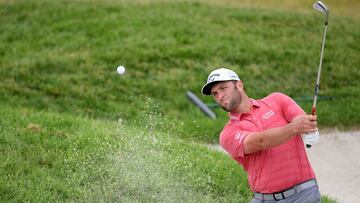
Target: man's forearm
x=273, y=137
x=268, y=138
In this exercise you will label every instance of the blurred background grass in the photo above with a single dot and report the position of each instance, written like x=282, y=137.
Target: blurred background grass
x=61, y=57
x=54, y=54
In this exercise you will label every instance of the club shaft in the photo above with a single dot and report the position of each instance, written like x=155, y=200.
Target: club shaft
x=319, y=70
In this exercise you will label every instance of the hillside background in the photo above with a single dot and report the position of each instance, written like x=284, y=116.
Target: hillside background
x=68, y=120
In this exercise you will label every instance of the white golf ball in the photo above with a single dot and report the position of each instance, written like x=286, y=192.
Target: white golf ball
x=120, y=70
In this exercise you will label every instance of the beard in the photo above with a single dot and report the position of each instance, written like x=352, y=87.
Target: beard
x=234, y=102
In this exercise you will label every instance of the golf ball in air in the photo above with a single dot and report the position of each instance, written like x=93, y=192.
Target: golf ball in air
x=120, y=70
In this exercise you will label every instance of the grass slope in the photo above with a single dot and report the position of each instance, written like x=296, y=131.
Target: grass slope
x=62, y=101
x=47, y=157
x=62, y=56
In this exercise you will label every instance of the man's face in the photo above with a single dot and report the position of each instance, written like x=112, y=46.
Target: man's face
x=227, y=95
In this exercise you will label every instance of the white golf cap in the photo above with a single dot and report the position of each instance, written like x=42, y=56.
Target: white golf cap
x=218, y=75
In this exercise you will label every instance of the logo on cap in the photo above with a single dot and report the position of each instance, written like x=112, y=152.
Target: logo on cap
x=213, y=76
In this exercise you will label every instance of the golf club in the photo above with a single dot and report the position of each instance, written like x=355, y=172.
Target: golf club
x=312, y=138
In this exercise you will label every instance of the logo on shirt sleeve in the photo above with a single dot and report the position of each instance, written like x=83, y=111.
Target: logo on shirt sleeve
x=239, y=136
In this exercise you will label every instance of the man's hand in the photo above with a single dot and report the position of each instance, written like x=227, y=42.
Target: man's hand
x=304, y=124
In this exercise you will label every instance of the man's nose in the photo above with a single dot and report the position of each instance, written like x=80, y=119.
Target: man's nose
x=219, y=96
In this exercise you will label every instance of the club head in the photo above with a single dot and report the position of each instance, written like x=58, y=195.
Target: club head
x=320, y=6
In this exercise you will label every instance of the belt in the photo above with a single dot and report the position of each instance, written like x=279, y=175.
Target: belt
x=286, y=193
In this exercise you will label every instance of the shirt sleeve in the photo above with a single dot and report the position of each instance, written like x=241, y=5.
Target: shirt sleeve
x=232, y=140
x=289, y=107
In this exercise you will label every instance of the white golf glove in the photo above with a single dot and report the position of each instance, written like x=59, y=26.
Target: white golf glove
x=311, y=138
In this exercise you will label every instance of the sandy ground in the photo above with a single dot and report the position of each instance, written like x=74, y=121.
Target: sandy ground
x=335, y=160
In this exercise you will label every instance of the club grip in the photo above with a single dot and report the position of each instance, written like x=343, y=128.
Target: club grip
x=313, y=111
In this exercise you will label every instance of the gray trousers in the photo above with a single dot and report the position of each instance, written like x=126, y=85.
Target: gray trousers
x=309, y=195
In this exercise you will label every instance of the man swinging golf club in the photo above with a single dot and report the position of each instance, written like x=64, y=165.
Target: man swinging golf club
x=264, y=137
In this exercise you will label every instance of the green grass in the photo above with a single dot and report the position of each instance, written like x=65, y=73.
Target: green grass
x=57, y=54
x=47, y=157
x=61, y=97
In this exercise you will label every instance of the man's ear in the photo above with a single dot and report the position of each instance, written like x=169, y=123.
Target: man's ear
x=239, y=84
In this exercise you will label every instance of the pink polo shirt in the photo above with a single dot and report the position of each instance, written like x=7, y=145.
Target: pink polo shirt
x=277, y=168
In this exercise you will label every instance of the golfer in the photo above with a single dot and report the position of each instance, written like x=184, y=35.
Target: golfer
x=264, y=137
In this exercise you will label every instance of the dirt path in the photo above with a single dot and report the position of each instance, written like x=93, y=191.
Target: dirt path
x=335, y=159
x=336, y=162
